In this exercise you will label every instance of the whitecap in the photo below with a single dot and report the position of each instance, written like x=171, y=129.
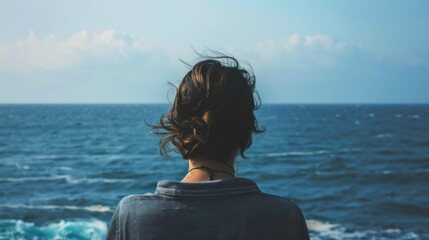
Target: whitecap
x=24, y=179
x=23, y=167
x=95, y=180
x=65, y=168
x=311, y=153
x=392, y=230
x=320, y=226
x=398, y=115
x=90, y=229
x=411, y=235
x=384, y=135
x=371, y=115
x=326, y=230
x=414, y=116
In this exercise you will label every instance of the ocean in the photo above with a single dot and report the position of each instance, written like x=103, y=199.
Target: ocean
x=358, y=171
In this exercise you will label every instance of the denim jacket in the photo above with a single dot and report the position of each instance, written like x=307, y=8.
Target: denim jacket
x=230, y=208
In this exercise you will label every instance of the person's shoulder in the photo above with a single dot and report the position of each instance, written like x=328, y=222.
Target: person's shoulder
x=284, y=200
x=282, y=205
x=132, y=199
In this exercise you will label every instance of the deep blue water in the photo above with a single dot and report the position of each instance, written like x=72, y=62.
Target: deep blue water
x=356, y=171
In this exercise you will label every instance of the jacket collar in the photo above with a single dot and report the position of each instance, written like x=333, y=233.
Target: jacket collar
x=220, y=187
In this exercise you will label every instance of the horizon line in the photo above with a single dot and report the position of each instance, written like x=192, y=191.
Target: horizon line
x=267, y=103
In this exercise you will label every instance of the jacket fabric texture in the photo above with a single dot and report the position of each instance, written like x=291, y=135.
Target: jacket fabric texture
x=229, y=208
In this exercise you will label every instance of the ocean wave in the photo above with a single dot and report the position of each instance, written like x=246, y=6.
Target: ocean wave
x=62, y=168
x=384, y=135
x=93, y=180
x=414, y=116
x=94, y=208
x=56, y=157
x=311, y=153
x=405, y=207
x=106, y=157
x=18, y=229
x=29, y=179
x=67, y=178
x=96, y=229
x=22, y=167
x=325, y=230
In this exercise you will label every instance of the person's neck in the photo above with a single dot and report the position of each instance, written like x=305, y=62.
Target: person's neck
x=221, y=169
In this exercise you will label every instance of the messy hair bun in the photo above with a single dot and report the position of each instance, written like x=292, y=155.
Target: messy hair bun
x=212, y=115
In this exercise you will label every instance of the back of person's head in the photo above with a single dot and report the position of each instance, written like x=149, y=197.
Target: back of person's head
x=213, y=112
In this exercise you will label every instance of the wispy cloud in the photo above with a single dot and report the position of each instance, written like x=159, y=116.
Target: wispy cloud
x=326, y=42
x=52, y=53
x=298, y=51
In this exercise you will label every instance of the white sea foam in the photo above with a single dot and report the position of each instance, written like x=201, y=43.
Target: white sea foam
x=326, y=230
x=414, y=116
x=311, y=153
x=71, y=180
x=29, y=179
x=392, y=230
x=18, y=229
x=65, y=168
x=398, y=115
x=371, y=115
x=384, y=135
x=94, y=208
x=320, y=226
x=22, y=167
x=285, y=154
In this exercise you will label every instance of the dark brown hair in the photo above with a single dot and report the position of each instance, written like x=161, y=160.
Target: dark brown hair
x=212, y=115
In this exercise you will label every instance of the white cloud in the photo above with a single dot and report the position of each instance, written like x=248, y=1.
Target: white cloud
x=292, y=42
x=302, y=52
x=52, y=53
x=326, y=42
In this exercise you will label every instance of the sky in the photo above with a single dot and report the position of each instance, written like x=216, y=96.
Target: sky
x=300, y=51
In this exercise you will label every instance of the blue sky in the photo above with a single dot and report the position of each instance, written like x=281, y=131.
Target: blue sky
x=127, y=51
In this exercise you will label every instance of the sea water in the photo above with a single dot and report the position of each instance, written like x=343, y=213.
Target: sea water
x=356, y=171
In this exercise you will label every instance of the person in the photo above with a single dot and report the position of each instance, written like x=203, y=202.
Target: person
x=210, y=123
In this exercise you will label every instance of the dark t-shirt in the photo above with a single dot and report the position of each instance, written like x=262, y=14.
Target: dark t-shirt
x=230, y=208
